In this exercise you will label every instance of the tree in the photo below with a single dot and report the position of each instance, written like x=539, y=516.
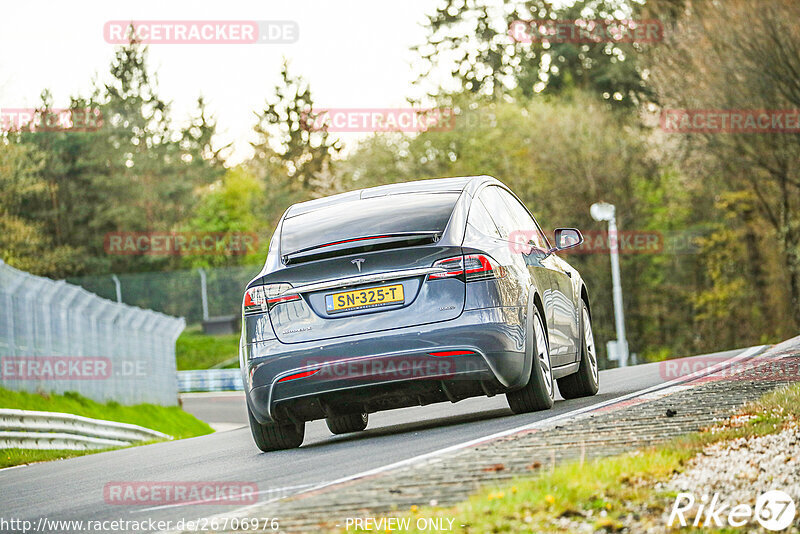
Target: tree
x=742, y=55
x=65, y=212
x=232, y=206
x=560, y=155
x=287, y=137
x=197, y=143
x=161, y=168
x=24, y=241
x=475, y=35
x=734, y=304
x=134, y=172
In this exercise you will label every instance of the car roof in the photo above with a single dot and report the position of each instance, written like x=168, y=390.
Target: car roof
x=435, y=185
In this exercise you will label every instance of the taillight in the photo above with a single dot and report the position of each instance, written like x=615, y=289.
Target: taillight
x=473, y=266
x=453, y=267
x=295, y=376
x=263, y=298
x=480, y=267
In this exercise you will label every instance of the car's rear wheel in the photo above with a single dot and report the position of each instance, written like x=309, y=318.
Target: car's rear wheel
x=274, y=436
x=537, y=394
x=342, y=424
x=585, y=382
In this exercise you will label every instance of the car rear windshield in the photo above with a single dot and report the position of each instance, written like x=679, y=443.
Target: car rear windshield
x=391, y=214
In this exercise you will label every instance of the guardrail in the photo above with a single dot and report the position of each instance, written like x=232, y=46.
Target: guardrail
x=210, y=380
x=23, y=429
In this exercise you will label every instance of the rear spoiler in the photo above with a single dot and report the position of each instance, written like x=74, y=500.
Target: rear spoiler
x=360, y=244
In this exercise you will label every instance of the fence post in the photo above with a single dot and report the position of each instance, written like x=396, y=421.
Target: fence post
x=47, y=307
x=204, y=292
x=118, y=287
x=12, y=312
x=80, y=314
x=69, y=294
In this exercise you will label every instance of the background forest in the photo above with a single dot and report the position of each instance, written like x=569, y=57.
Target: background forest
x=564, y=125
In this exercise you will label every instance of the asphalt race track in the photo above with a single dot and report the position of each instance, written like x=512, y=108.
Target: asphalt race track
x=73, y=489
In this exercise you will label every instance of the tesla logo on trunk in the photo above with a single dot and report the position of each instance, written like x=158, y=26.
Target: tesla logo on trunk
x=357, y=262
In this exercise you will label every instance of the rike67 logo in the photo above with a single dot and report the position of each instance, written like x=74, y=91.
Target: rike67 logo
x=774, y=510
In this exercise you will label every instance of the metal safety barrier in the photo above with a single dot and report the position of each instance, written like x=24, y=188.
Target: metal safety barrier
x=24, y=429
x=210, y=380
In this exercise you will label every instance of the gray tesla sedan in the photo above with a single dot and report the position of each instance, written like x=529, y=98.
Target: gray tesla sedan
x=410, y=294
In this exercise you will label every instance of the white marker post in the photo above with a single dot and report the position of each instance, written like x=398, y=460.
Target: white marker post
x=602, y=211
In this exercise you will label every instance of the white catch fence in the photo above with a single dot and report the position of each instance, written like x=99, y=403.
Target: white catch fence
x=58, y=337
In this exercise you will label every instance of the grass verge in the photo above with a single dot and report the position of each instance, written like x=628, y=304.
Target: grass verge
x=12, y=457
x=604, y=491
x=170, y=420
x=195, y=350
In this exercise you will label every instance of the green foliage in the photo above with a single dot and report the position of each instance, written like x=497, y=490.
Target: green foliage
x=741, y=50
x=24, y=241
x=287, y=136
x=195, y=350
x=231, y=205
x=560, y=155
x=473, y=37
x=12, y=457
x=133, y=173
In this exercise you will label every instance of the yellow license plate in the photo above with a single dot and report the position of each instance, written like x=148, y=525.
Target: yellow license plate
x=365, y=298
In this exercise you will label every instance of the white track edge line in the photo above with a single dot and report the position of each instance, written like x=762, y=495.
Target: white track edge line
x=215, y=501
x=746, y=353
x=543, y=422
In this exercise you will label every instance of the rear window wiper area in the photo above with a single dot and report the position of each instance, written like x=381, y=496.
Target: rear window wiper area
x=360, y=244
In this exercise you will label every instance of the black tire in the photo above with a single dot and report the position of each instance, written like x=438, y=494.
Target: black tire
x=534, y=396
x=585, y=382
x=342, y=424
x=274, y=436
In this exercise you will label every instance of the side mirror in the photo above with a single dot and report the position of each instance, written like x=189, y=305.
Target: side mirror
x=567, y=238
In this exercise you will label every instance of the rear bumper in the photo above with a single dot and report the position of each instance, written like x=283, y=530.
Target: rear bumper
x=389, y=369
